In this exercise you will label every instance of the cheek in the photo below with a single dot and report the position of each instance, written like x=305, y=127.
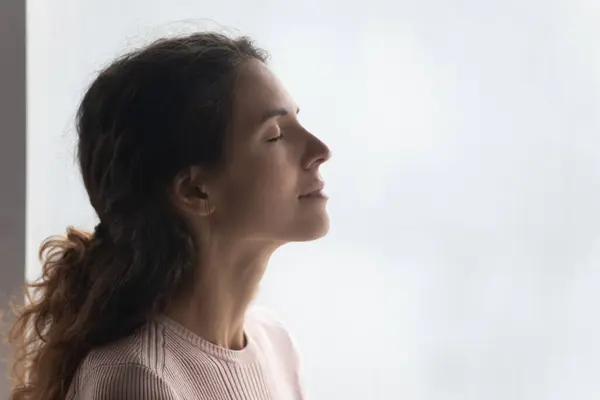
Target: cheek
x=267, y=183
x=270, y=184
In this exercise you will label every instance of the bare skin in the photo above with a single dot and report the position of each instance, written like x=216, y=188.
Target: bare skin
x=269, y=193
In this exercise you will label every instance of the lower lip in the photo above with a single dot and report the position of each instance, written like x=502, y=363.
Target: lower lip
x=315, y=196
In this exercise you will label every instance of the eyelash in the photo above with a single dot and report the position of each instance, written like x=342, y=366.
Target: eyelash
x=276, y=139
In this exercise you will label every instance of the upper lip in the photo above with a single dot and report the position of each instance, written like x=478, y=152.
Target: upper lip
x=315, y=188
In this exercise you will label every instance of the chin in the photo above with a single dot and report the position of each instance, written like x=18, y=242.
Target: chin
x=311, y=229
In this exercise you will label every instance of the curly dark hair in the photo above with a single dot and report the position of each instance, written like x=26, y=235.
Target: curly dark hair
x=145, y=117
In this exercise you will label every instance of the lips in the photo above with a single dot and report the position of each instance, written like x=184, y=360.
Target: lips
x=312, y=194
x=314, y=190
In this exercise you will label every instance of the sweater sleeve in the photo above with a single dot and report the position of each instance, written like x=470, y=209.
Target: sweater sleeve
x=124, y=382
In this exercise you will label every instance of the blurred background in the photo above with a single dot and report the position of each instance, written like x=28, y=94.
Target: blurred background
x=464, y=256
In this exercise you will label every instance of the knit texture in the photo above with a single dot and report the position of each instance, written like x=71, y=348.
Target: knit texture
x=165, y=361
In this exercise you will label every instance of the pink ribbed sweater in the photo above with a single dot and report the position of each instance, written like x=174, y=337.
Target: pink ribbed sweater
x=165, y=361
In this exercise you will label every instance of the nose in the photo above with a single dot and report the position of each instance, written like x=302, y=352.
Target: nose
x=317, y=152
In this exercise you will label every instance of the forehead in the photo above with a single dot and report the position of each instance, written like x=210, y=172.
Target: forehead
x=257, y=91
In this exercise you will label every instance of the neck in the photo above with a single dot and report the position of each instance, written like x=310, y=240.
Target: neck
x=226, y=284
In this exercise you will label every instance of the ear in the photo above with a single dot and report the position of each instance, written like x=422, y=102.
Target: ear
x=189, y=194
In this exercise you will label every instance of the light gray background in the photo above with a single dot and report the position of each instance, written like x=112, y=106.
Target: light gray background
x=463, y=261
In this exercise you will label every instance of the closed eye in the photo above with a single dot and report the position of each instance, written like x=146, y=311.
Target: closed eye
x=276, y=139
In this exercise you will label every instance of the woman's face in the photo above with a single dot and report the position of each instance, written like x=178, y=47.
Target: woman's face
x=272, y=164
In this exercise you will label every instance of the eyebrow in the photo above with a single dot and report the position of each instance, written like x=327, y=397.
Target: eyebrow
x=275, y=112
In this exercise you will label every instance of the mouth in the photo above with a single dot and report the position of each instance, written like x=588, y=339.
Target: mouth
x=315, y=193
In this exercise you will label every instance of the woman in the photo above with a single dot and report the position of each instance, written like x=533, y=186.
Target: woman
x=194, y=159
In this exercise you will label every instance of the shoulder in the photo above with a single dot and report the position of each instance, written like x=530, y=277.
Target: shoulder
x=277, y=347
x=123, y=381
x=143, y=347
x=132, y=367
x=266, y=327
x=262, y=320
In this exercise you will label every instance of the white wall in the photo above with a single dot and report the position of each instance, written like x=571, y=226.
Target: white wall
x=464, y=258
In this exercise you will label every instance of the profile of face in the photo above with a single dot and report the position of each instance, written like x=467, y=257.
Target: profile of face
x=269, y=189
